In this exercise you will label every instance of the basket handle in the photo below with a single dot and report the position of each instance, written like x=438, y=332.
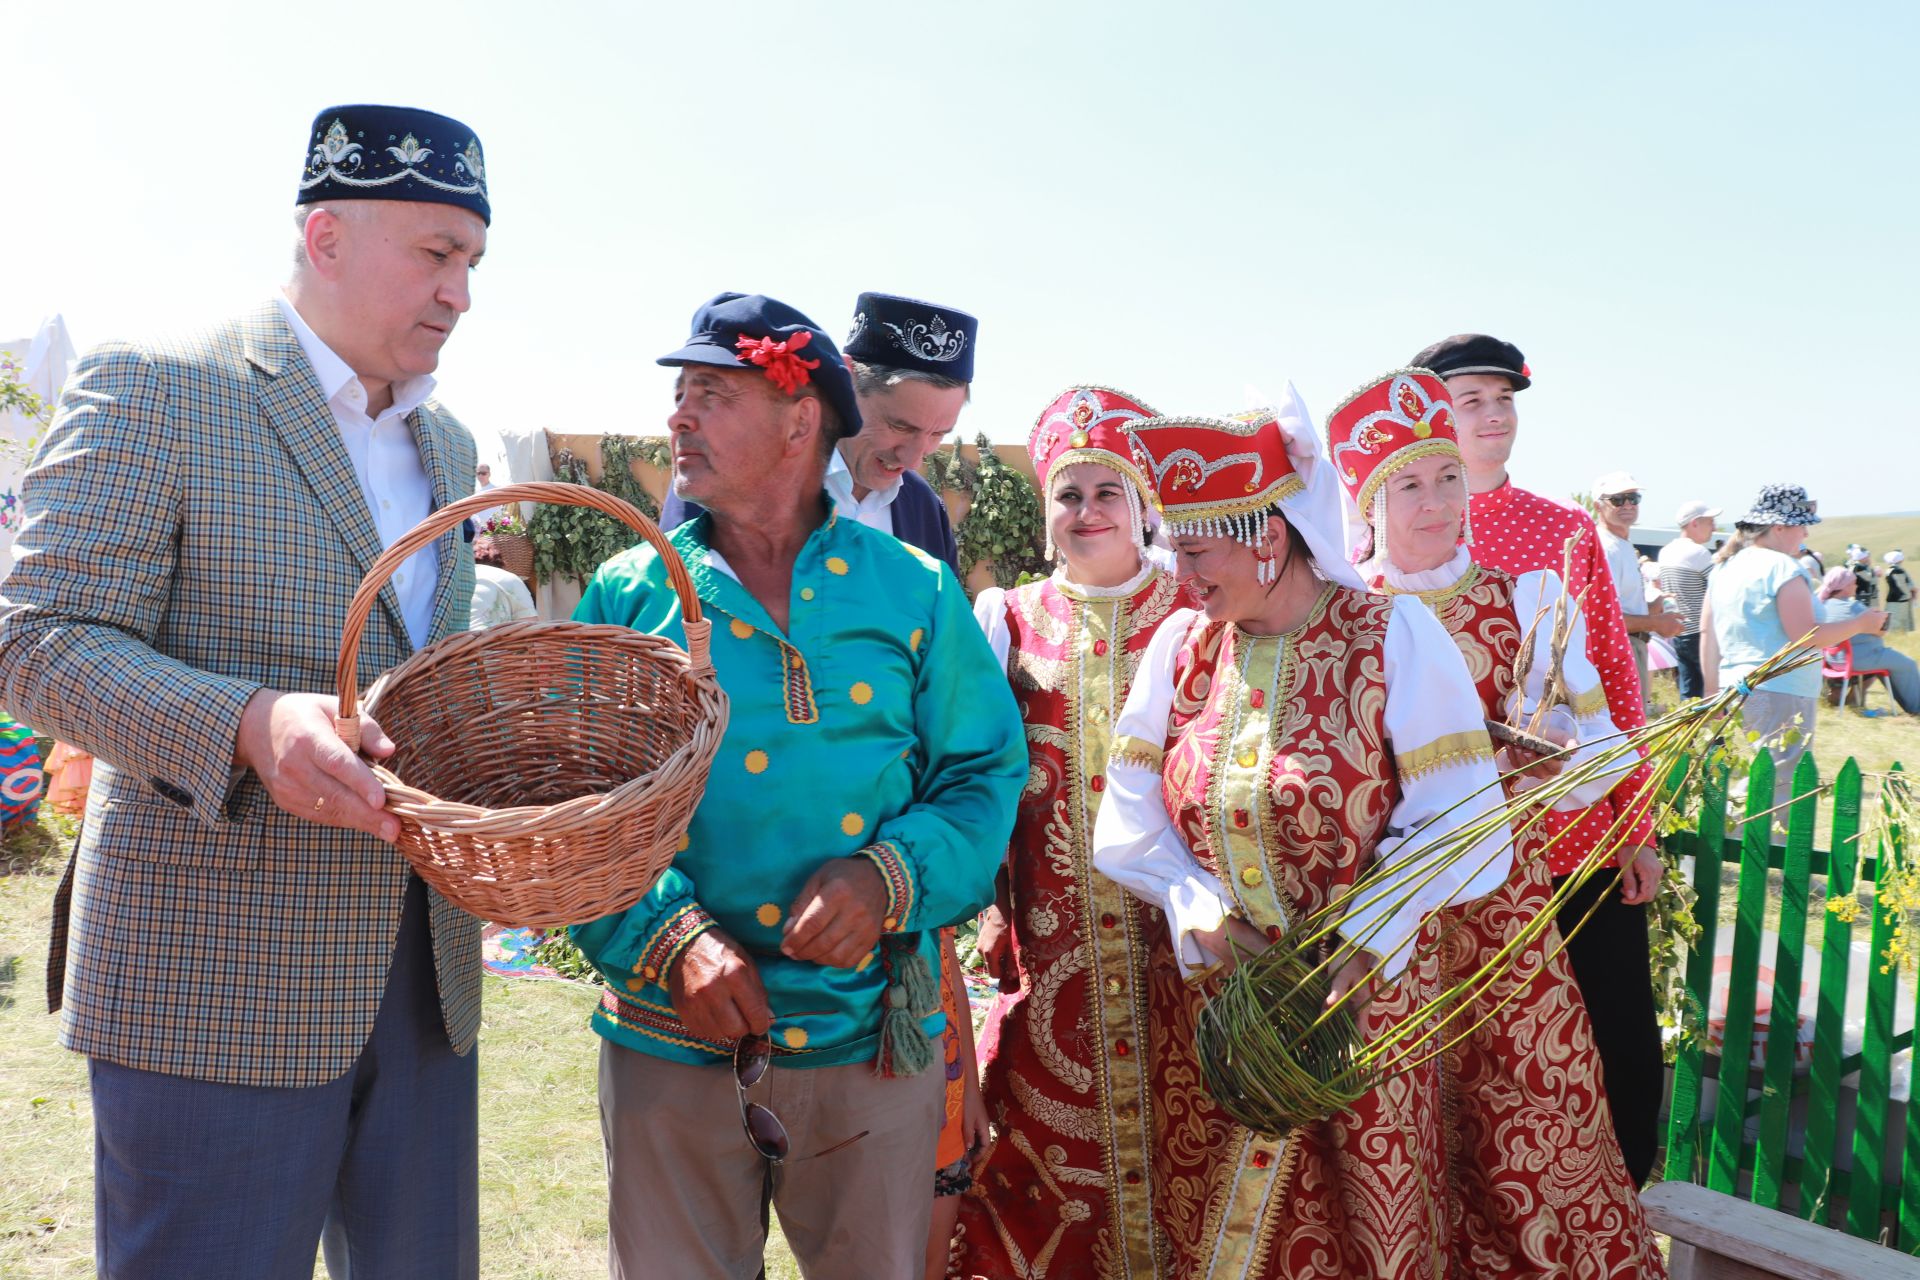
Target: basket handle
x=551, y=492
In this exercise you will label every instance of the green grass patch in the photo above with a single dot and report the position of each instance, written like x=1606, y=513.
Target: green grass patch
x=543, y=1199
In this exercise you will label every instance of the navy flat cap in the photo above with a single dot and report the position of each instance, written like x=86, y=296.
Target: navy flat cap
x=753, y=331
x=1476, y=353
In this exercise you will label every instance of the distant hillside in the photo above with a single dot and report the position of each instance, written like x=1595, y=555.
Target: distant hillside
x=1877, y=534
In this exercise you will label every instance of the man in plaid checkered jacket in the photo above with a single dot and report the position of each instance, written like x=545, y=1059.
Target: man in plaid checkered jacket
x=279, y=1018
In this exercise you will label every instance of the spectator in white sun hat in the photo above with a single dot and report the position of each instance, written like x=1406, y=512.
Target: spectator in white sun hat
x=1899, y=591
x=1684, y=564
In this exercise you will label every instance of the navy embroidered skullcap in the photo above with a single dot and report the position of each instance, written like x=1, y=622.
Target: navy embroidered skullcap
x=905, y=333
x=366, y=152
x=753, y=331
x=1466, y=353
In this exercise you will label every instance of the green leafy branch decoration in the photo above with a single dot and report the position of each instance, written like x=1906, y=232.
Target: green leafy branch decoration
x=572, y=542
x=1006, y=524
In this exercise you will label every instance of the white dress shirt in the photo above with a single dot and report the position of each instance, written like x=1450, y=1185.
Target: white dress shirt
x=387, y=463
x=874, y=511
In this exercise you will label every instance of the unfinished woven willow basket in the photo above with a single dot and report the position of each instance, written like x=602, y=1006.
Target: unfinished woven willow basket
x=545, y=772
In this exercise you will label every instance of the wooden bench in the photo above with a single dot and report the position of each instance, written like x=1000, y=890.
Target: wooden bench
x=1718, y=1237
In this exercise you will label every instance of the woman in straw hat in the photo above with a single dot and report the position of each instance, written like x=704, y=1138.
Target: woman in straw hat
x=1274, y=749
x=1543, y=1187
x=1064, y=1192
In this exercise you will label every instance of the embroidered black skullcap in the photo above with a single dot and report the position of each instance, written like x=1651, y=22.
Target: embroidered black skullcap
x=1476, y=353
x=367, y=152
x=753, y=331
x=906, y=333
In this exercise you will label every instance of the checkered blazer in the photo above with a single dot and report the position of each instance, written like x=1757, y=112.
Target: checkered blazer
x=193, y=532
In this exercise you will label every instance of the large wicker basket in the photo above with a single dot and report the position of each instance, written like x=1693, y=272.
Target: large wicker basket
x=544, y=772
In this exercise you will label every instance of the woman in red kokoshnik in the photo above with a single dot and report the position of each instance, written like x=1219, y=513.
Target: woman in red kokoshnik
x=1297, y=734
x=1064, y=1193
x=1531, y=1149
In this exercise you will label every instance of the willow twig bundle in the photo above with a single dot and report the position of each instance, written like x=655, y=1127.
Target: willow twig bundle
x=1275, y=1054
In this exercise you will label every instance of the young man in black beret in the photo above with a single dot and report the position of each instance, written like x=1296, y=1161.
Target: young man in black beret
x=1521, y=532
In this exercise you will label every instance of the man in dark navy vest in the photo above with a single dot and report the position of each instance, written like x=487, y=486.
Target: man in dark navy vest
x=912, y=366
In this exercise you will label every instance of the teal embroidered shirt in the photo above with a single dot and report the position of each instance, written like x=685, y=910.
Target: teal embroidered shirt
x=879, y=724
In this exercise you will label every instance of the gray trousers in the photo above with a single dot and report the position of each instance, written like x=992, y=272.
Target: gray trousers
x=1771, y=715
x=688, y=1195
x=380, y=1167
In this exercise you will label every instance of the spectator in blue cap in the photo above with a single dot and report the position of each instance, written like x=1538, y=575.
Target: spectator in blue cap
x=860, y=802
x=278, y=1016
x=912, y=369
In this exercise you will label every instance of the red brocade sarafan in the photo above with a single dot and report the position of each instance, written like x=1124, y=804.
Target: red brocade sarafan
x=1494, y=1158
x=1065, y=1192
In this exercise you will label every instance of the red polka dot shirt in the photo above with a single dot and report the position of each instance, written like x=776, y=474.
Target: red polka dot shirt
x=1520, y=532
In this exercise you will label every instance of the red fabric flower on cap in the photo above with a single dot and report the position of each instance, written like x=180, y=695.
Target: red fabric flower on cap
x=788, y=371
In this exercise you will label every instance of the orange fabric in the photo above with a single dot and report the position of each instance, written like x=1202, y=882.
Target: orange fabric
x=953, y=1138
x=69, y=774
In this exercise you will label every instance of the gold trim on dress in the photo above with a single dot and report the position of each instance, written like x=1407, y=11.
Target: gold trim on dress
x=1439, y=595
x=1131, y=750
x=1095, y=689
x=1449, y=749
x=1590, y=703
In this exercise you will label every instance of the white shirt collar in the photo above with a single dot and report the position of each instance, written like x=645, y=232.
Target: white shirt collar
x=336, y=376
x=840, y=484
x=1438, y=579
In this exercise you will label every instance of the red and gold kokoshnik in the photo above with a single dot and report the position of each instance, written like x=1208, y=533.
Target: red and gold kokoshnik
x=1210, y=475
x=1088, y=424
x=1389, y=422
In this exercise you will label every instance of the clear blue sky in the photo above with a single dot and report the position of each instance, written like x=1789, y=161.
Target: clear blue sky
x=1698, y=220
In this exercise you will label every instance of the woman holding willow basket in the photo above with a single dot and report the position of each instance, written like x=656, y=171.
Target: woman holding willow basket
x=1285, y=764
x=1526, y=1052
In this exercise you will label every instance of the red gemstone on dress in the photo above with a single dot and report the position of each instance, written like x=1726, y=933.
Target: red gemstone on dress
x=1099, y=648
x=1108, y=920
x=1240, y=818
x=1273, y=932
x=1121, y=1048
x=1261, y=1159
x=1259, y=698
x=1096, y=783
x=1133, y=1177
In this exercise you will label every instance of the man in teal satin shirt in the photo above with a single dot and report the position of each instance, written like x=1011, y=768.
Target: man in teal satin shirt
x=860, y=801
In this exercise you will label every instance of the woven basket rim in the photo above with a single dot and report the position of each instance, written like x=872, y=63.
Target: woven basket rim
x=708, y=702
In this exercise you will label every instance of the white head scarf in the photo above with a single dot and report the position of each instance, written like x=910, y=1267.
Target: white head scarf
x=1316, y=512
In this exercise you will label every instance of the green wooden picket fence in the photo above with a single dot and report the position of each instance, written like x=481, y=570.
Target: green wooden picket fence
x=1715, y=1149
